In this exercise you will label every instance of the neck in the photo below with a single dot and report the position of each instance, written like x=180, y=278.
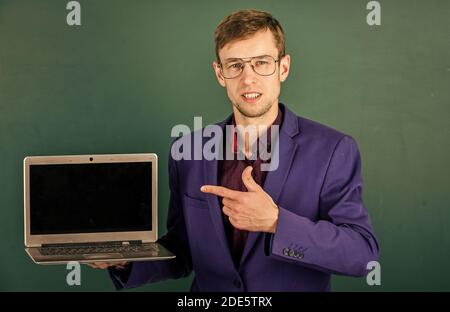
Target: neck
x=265, y=120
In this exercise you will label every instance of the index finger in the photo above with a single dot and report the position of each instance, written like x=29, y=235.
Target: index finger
x=220, y=191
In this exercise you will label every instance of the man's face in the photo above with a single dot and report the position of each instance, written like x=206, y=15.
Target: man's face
x=243, y=89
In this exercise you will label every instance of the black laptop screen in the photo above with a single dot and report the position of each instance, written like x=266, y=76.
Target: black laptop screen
x=89, y=198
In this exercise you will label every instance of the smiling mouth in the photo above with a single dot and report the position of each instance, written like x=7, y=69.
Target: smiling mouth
x=251, y=97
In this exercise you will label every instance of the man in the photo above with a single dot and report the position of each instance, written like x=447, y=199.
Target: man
x=243, y=229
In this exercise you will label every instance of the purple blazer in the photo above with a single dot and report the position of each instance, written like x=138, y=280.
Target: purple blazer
x=323, y=226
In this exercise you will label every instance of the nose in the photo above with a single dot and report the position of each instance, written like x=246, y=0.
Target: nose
x=248, y=75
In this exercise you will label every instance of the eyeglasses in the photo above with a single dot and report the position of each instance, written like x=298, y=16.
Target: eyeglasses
x=263, y=65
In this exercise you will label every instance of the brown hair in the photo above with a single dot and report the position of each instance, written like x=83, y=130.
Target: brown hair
x=243, y=24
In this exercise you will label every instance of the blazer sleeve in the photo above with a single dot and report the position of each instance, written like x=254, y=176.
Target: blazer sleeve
x=175, y=240
x=342, y=241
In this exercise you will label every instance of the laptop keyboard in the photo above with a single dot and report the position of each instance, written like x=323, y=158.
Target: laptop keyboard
x=97, y=249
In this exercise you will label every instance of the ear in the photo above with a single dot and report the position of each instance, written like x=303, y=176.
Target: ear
x=285, y=63
x=219, y=76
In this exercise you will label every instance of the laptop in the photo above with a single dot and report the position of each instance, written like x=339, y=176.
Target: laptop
x=92, y=208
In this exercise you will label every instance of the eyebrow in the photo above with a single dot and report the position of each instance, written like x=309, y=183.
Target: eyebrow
x=232, y=59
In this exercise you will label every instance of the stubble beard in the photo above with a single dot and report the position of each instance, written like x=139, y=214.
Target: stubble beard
x=253, y=114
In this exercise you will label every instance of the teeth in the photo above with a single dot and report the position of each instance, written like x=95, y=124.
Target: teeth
x=252, y=95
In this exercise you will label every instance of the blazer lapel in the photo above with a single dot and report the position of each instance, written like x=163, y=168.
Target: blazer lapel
x=275, y=180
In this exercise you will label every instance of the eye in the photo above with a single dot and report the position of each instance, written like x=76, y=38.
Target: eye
x=235, y=66
x=261, y=63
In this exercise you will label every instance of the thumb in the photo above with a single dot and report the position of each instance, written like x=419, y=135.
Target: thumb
x=247, y=178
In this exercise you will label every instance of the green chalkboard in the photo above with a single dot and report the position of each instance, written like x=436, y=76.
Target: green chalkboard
x=132, y=70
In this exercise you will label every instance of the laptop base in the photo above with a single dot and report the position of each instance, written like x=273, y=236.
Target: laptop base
x=154, y=252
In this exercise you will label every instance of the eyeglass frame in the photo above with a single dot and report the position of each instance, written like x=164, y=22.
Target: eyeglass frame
x=249, y=61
